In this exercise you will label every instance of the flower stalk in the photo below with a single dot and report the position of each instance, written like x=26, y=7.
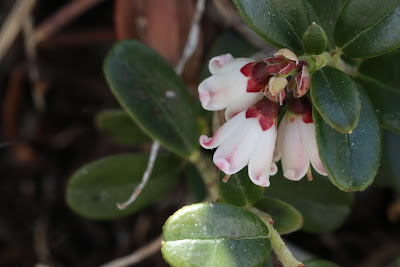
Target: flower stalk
x=278, y=245
x=205, y=166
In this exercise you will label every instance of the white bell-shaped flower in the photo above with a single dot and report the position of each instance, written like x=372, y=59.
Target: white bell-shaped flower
x=235, y=84
x=247, y=139
x=296, y=145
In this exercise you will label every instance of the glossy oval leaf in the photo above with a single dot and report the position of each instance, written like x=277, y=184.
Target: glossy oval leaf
x=323, y=206
x=95, y=188
x=153, y=95
x=286, y=218
x=319, y=263
x=335, y=96
x=215, y=234
x=381, y=80
x=314, y=40
x=239, y=190
x=351, y=160
x=368, y=28
x=325, y=13
x=279, y=22
x=120, y=128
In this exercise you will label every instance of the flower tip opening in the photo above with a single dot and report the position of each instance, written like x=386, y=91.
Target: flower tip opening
x=273, y=169
x=205, y=141
x=223, y=165
x=262, y=181
x=291, y=175
x=218, y=62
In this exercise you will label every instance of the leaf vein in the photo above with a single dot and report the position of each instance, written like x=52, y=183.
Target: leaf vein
x=366, y=30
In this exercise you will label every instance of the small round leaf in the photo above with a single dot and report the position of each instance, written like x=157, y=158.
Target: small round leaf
x=239, y=190
x=368, y=28
x=351, y=160
x=279, y=22
x=153, y=95
x=215, y=234
x=286, y=218
x=94, y=190
x=335, y=96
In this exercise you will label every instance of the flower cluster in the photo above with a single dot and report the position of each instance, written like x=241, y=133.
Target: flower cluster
x=250, y=91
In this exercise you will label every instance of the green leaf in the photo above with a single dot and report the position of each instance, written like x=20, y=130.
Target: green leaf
x=279, y=22
x=120, y=128
x=389, y=171
x=95, y=188
x=239, y=190
x=153, y=95
x=323, y=206
x=314, y=40
x=351, y=160
x=268, y=263
x=336, y=98
x=396, y=263
x=368, y=28
x=380, y=78
x=319, y=263
x=286, y=218
x=215, y=234
x=195, y=184
x=325, y=13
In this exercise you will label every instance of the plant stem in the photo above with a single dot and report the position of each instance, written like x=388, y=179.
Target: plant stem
x=277, y=243
x=207, y=169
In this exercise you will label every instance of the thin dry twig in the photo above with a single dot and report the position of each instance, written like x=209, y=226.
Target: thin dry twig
x=40, y=240
x=62, y=17
x=138, y=255
x=146, y=175
x=13, y=24
x=193, y=37
x=33, y=68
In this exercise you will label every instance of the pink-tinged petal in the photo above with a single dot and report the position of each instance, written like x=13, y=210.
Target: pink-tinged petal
x=303, y=82
x=294, y=157
x=217, y=63
x=246, y=100
x=273, y=169
x=289, y=67
x=313, y=155
x=234, y=66
x=218, y=91
x=274, y=60
x=224, y=132
x=279, y=139
x=276, y=68
x=234, y=153
x=261, y=165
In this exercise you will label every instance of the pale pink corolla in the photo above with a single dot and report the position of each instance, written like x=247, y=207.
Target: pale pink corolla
x=235, y=84
x=296, y=145
x=247, y=139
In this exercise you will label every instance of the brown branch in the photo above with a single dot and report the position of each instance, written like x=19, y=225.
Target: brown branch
x=62, y=17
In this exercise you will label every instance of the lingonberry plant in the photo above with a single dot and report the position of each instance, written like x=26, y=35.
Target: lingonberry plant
x=314, y=108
